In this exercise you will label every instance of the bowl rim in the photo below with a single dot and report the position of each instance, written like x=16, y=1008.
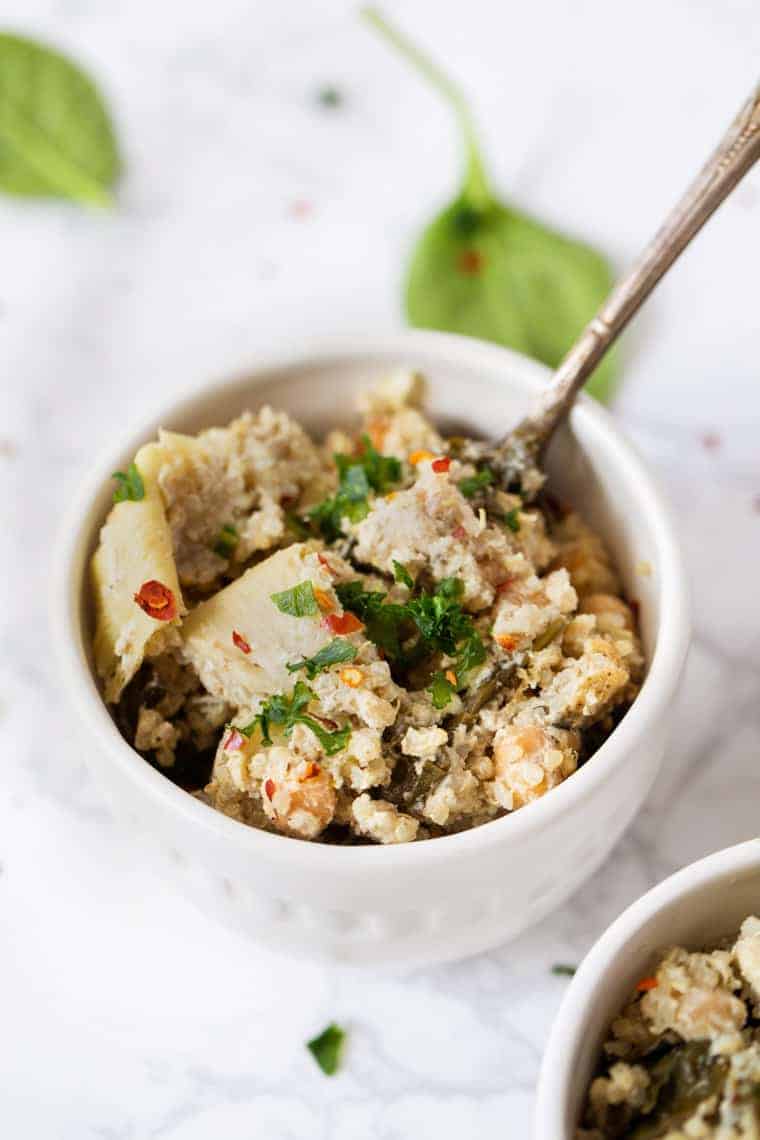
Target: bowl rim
x=71, y=552
x=558, y=1066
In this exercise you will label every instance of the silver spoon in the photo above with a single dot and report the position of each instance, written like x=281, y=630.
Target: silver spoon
x=517, y=458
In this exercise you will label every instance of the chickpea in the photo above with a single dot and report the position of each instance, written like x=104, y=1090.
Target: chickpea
x=529, y=760
x=298, y=795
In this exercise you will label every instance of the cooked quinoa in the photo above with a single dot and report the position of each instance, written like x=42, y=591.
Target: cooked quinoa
x=360, y=640
x=683, y=1058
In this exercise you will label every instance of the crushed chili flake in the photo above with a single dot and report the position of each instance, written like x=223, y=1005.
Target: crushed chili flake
x=324, y=601
x=507, y=642
x=240, y=642
x=234, y=742
x=710, y=440
x=419, y=456
x=157, y=601
x=459, y=532
x=450, y=676
x=441, y=466
x=323, y=562
x=470, y=262
x=342, y=623
x=269, y=788
x=646, y=984
x=504, y=586
x=351, y=676
x=311, y=771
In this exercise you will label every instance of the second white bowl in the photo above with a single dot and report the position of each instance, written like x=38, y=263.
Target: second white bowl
x=448, y=897
x=696, y=908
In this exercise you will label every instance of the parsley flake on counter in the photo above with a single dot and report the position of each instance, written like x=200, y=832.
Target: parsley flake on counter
x=330, y=97
x=334, y=653
x=562, y=970
x=227, y=541
x=298, y=601
x=287, y=712
x=326, y=1049
x=129, y=485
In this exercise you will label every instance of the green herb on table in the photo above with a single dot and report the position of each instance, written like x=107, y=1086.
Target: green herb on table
x=329, y=97
x=562, y=970
x=485, y=269
x=299, y=601
x=56, y=135
x=326, y=1049
x=334, y=653
x=227, y=541
x=287, y=711
x=129, y=484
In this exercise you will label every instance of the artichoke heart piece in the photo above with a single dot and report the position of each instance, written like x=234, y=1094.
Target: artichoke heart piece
x=135, y=548
x=272, y=638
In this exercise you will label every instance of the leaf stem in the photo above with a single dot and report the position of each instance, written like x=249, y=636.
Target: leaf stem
x=476, y=187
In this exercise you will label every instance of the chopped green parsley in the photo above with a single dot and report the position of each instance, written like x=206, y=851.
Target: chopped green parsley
x=286, y=712
x=474, y=483
x=129, y=485
x=298, y=601
x=326, y=1049
x=334, y=653
x=227, y=541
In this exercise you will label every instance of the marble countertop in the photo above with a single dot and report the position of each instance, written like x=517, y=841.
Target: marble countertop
x=250, y=218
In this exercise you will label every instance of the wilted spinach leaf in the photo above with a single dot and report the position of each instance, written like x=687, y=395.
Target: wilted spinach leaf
x=485, y=269
x=56, y=136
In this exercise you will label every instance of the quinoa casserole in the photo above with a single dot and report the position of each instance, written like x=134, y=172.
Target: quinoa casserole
x=683, y=1058
x=359, y=640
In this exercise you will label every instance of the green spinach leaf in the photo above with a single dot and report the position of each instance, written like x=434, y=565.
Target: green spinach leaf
x=56, y=136
x=487, y=270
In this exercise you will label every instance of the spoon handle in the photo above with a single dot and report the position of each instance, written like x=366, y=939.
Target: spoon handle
x=737, y=152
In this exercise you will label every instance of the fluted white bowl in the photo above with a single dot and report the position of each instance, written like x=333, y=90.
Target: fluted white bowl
x=696, y=908
x=448, y=897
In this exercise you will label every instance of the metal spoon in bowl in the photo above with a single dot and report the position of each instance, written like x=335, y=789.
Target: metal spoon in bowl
x=517, y=458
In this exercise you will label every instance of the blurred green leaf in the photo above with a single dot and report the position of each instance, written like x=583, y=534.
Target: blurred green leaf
x=56, y=136
x=487, y=270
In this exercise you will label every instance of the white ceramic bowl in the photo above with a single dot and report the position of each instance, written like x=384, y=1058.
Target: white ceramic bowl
x=448, y=897
x=695, y=908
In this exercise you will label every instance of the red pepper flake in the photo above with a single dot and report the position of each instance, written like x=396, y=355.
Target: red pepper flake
x=459, y=532
x=710, y=440
x=470, y=262
x=157, y=601
x=646, y=984
x=235, y=741
x=311, y=771
x=342, y=623
x=504, y=586
x=441, y=466
x=506, y=641
x=270, y=788
x=240, y=641
x=324, y=601
x=323, y=562
x=301, y=208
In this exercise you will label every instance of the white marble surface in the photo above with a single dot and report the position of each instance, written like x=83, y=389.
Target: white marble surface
x=124, y=1014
